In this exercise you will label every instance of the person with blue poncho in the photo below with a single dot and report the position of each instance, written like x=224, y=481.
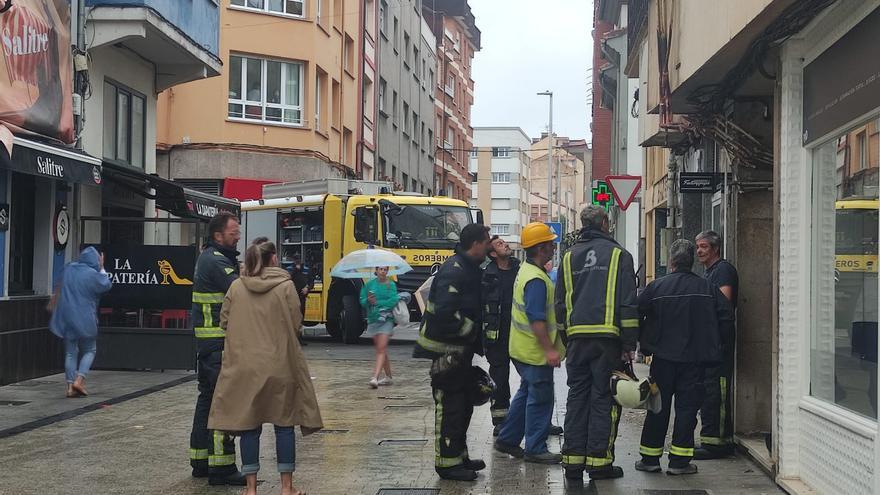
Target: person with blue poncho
x=75, y=315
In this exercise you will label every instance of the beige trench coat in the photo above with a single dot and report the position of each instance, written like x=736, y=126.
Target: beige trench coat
x=264, y=377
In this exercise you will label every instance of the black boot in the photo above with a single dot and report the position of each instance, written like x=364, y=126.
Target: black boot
x=605, y=473
x=475, y=464
x=708, y=452
x=555, y=430
x=234, y=478
x=457, y=473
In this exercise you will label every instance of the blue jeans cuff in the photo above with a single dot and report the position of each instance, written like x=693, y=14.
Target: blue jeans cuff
x=250, y=468
x=286, y=468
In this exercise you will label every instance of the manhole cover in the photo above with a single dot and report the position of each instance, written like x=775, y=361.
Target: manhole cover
x=402, y=406
x=408, y=491
x=35, y=383
x=332, y=431
x=674, y=492
x=14, y=402
x=404, y=441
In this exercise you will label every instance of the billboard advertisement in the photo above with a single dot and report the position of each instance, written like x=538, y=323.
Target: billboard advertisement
x=36, y=82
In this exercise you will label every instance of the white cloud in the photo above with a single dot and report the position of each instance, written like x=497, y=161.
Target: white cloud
x=529, y=47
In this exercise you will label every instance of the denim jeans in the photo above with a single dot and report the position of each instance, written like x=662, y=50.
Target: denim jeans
x=74, y=365
x=530, y=410
x=285, y=450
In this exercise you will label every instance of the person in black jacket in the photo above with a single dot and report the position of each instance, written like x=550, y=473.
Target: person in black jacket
x=686, y=322
x=498, y=278
x=450, y=336
x=304, y=282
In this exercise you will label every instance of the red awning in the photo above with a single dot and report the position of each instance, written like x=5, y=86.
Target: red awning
x=245, y=189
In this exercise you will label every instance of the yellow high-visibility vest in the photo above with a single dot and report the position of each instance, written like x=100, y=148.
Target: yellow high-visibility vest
x=524, y=346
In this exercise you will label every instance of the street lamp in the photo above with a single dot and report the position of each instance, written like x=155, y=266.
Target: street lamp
x=550, y=159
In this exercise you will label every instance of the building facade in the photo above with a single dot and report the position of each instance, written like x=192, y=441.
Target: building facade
x=295, y=110
x=458, y=39
x=407, y=82
x=80, y=132
x=501, y=167
x=569, y=179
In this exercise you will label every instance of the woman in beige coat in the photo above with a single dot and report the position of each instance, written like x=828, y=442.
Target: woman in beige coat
x=264, y=377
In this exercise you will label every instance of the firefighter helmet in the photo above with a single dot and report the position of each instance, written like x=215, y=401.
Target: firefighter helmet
x=481, y=386
x=634, y=393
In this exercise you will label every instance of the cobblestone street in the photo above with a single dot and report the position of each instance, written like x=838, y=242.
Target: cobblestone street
x=374, y=439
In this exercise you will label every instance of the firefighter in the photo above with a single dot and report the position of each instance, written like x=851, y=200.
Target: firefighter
x=535, y=348
x=212, y=454
x=498, y=278
x=716, y=414
x=686, y=322
x=596, y=305
x=450, y=335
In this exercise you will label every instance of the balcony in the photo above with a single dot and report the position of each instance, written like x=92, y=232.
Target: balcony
x=181, y=37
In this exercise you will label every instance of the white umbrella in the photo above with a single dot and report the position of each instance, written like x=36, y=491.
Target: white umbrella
x=363, y=262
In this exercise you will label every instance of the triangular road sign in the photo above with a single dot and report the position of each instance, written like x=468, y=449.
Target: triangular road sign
x=624, y=188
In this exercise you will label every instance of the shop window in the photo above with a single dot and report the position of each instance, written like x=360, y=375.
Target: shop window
x=287, y=7
x=265, y=90
x=124, y=125
x=21, y=235
x=843, y=340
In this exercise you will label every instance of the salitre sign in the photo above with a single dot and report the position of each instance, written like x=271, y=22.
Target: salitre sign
x=149, y=277
x=4, y=217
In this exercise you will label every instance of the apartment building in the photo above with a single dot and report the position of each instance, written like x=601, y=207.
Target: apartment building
x=501, y=167
x=458, y=39
x=407, y=82
x=291, y=110
x=569, y=176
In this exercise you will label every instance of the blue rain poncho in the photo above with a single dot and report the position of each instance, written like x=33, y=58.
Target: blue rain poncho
x=82, y=284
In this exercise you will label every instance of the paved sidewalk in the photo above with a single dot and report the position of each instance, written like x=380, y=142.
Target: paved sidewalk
x=375, y=439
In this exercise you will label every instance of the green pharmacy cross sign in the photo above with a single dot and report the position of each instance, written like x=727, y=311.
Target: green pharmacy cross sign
x=602, y=195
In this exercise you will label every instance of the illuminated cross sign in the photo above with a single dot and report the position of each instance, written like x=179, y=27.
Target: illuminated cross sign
x=602, y=195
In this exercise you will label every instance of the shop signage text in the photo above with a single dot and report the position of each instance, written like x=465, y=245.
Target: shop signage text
x=696, y=182
x=47, y=166
x=149, y=277
x=4, y=217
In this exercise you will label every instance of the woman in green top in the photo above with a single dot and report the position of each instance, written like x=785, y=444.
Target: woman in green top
x=379, y=297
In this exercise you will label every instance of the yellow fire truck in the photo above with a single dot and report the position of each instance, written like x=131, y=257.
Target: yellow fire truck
x=321, y=221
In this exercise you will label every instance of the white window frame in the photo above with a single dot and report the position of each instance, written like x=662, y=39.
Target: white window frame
x=450, y=89
x=383, y=88
x=501, y=177
x=474, y=152
x=245, y=102
x=265, y=8
x=383, y=18
x=501, y=152
x=500, y=229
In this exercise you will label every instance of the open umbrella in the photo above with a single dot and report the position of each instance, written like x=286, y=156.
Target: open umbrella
x=363, y=262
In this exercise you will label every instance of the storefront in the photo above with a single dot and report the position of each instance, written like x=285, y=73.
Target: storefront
x=825, y=428
x=37, y=184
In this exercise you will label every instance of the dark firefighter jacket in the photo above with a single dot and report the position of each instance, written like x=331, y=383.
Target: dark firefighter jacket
x=685, y=318
x=216, y=269
x=452, y=319
x=497, y=306
x=596, y=291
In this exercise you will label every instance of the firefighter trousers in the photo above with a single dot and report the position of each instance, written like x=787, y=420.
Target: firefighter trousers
x=592, y=415
x=684, y=381
x=716, y=414
x=209, y=450
x=499, y=369
x=452, y=417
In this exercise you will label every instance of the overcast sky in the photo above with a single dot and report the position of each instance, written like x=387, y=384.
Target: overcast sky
x=530, y=47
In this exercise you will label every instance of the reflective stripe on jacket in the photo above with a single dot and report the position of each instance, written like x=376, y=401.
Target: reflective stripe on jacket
x=216, y=269
x=451, y=321
x=596, y=290
x=524, y=346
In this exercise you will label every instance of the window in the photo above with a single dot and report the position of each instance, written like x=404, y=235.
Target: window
x=415, y=186
x=450, y=85
x=430, y=144
x=394, y=173
x=347, y=151
x=406, y=127
x=415, y=62
x=450, y=138
x=843, y=341
x=349, y=54
x=422, y=137
x=265, y=90
x=501, y=177
x=500, y=229
x=124, y=125
x=500, y=203
x=474, y=152
x=338, y=12
x=501, y=152
x=367, y=98
x=320, y=83
x=394, y=108
x=457, y=44
x=406, y=63
x=431, y=81
x=396, y=39
x=383, y=19
x=415, y=127
x=22, y=210
x=337, y=104
x=383, y=86
x=405, y=181
x=288, y=7
x=318, y=17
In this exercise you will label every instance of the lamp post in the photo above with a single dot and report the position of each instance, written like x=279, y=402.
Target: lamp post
x=550, y=159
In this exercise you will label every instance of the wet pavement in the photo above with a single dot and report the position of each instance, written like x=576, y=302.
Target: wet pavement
x=373, y=439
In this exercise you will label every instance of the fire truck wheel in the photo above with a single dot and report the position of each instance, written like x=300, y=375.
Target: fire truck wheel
x=351, y=319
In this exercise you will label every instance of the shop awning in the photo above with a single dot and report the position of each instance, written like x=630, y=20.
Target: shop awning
x=169, y=195
x=51, y=162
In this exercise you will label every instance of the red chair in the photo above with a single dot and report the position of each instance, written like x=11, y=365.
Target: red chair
x=176, y=316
